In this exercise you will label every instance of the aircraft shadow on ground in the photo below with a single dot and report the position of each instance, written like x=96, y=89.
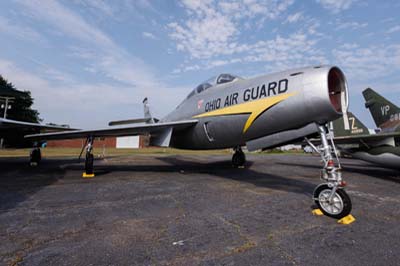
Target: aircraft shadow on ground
x=364, y=169
x=222, y=168
x=18, y=180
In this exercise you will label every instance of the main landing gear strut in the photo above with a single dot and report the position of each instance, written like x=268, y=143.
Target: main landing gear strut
x=330, y=196
x=88, y=158
x=238, y=158
x=35, y=156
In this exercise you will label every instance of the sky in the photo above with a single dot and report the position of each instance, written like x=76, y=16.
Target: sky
x=87, y=62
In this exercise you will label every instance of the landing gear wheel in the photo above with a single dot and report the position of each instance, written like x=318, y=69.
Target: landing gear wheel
x=339, y=207
x=35, y=156
x=238, y=159
x=89, y=164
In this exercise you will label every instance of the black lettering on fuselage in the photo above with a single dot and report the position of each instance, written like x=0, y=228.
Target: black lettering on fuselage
x=254, y=93
x=213, y=105
x=235, y=98
x=271, y=87
x=246, y=95
x=263, y=92
x=283, y=86
x=231, y=99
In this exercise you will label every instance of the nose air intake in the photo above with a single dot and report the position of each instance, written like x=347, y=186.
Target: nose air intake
x=337, y=89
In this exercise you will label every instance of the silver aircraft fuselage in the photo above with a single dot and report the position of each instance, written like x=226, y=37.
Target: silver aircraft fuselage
x=233, y=113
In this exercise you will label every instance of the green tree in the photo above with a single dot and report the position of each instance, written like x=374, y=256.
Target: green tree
x=21, y=106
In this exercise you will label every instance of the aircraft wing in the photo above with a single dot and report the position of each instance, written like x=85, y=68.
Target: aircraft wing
x=9, y=123
x=153, y=129
x=365, y=138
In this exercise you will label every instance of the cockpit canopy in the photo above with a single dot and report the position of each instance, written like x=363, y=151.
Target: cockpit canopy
x=216, y=80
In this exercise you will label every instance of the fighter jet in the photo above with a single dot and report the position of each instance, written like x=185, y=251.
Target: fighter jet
x=385, y=114
x=228, y=111
x=361, y=143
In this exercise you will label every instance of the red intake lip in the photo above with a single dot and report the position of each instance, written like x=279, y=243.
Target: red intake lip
x=337, y=87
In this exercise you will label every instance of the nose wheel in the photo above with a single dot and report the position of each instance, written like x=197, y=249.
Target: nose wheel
x=238, y=158
x=333, y=203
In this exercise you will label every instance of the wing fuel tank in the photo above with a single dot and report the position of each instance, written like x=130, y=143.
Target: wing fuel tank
x=281, y=137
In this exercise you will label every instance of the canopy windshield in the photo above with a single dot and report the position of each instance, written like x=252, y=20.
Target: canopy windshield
x=216, y=80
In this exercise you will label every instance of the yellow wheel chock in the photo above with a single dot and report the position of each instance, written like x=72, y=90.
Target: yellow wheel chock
x=84, y=175
x=347, y=219
x=317, y=212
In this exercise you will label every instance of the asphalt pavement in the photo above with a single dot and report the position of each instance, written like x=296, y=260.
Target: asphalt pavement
x=193, y=210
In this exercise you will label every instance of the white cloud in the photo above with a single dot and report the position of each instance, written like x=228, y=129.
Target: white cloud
x=335, y=6
x=393, y=29
x=98, y=5
x=352, y=25
x=204, y=38
x=368, y=63
x=294, y=17
x=212, y=28
x=21, y=32
x=211, y=35
x=149, y=35
x=131, y=78
x=103, y=54
x=86, y=105
x=280, y=53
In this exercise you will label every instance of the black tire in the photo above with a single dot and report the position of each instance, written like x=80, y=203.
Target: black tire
x=347, y=206
x=89, y=164
x=238, y=159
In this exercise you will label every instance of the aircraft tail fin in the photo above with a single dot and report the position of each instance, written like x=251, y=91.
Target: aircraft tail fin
x=356, y=127
x=382, y=110
x=147, y=113
x=148, y=118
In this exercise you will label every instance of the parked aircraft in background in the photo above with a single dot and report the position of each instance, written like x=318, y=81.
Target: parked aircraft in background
x=230, y=112
x=385, y=114
x=359, y=142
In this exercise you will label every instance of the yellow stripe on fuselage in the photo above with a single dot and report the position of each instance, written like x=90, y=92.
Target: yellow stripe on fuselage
x=254, y=108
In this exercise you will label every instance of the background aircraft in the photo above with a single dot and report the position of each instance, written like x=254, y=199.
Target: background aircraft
x=359, y=142
x=385, y=114
x=230, y=112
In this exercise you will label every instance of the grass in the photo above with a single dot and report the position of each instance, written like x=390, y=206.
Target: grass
x=74, y=152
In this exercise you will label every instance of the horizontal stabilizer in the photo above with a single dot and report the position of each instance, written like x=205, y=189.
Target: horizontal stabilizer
x=129, y=121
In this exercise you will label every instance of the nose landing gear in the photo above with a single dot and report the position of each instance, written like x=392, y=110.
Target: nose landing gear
x=330, y=197
x=238, y=158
